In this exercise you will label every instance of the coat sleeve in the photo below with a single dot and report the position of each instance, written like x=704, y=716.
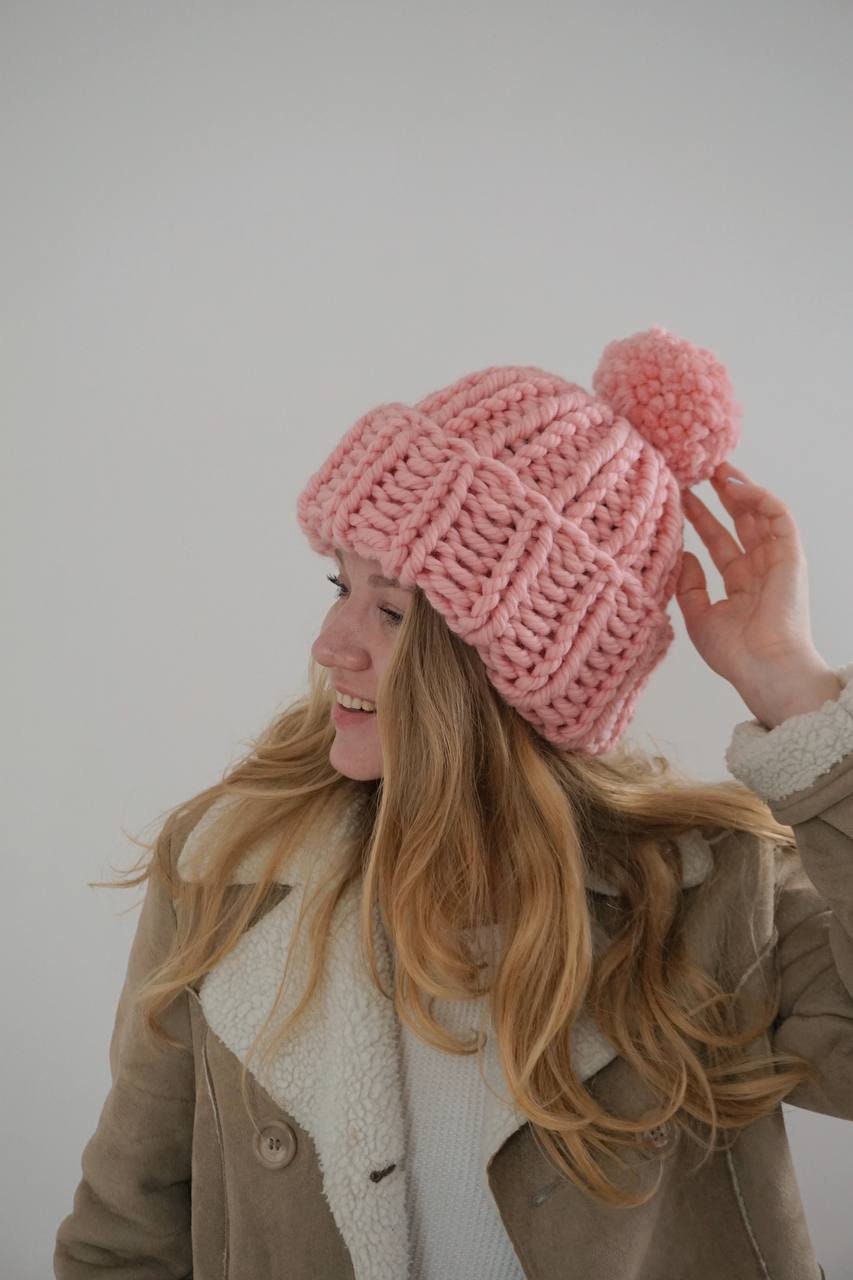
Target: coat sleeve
x=131, y=1211
x=803, y=769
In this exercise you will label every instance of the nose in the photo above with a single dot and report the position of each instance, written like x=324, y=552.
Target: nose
x=337, y=652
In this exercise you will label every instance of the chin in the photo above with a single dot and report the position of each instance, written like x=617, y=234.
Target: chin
x=352, y=764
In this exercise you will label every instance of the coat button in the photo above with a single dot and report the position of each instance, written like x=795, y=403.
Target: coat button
x=659, y=1138
x=275, y=1145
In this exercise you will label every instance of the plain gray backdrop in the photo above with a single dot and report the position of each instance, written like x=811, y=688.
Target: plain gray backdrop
x=228, y=230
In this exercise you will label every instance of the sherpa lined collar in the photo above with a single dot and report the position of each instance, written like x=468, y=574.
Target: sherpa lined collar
x=316, y=853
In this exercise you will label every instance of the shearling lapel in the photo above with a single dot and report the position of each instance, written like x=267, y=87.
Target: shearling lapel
x=338, y=1073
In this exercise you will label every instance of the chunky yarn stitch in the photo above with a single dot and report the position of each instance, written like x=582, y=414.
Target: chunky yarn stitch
x=543, y=522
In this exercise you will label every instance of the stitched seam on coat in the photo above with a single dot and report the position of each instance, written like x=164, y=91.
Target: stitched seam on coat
x=745, y=1216
x=259, y=1088
x=219, y=1143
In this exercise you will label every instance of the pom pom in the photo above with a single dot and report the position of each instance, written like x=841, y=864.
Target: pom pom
x=676, y=395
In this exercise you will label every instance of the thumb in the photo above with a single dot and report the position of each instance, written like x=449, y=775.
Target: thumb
x=691, y=590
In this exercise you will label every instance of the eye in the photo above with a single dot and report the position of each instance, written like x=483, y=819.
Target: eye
x=392, y=619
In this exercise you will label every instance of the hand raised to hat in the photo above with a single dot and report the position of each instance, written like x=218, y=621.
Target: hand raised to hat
x=758, y=637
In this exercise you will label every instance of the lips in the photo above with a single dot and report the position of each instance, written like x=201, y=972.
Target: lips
x=347, y=715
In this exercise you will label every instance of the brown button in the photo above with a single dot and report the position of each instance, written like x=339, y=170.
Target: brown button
x=275, y=1145
x=659, y=1137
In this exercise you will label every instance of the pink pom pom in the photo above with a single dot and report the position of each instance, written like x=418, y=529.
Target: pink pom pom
x=678, y=396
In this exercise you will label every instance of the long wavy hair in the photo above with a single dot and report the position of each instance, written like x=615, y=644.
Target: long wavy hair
x=478, y=819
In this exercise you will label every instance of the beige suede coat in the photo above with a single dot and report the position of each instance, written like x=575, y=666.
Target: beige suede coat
x=177, y=1181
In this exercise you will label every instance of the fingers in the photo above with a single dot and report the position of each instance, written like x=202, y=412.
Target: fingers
x=721, y=545
x=757, y=512
x=759, y=518
x=692, y=588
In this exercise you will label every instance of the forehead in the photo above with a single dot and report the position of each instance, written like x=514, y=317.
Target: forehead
x=375, y=579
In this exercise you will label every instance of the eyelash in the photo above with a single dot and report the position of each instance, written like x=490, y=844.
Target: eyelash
x=392, y=619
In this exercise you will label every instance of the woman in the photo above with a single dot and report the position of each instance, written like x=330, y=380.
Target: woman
x=539, y=1011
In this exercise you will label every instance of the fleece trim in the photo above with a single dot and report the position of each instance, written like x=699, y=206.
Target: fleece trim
x=777, y=762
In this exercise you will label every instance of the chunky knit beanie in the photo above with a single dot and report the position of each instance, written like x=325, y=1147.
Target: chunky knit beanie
x=543, y=522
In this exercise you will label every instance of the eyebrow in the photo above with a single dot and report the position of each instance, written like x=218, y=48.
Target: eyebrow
x=376, y=579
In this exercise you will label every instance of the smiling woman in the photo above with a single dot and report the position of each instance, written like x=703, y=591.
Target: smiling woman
x=666, y=959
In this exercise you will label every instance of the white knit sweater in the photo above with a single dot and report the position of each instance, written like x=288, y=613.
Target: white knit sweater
x=456, y=1231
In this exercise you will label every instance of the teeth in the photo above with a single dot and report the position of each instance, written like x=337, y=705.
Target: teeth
x=357, y=704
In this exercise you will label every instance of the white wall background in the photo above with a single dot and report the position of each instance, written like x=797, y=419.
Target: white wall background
x=229, y=230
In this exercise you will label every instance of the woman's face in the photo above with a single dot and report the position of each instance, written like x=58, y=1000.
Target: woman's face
x=355, y=642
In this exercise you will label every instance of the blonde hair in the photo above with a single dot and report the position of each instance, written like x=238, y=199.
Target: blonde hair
x=478, y=819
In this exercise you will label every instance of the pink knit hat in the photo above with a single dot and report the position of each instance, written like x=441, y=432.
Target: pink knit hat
x=542, y=522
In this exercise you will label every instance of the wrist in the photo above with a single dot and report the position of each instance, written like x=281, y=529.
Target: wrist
x=796, y=692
